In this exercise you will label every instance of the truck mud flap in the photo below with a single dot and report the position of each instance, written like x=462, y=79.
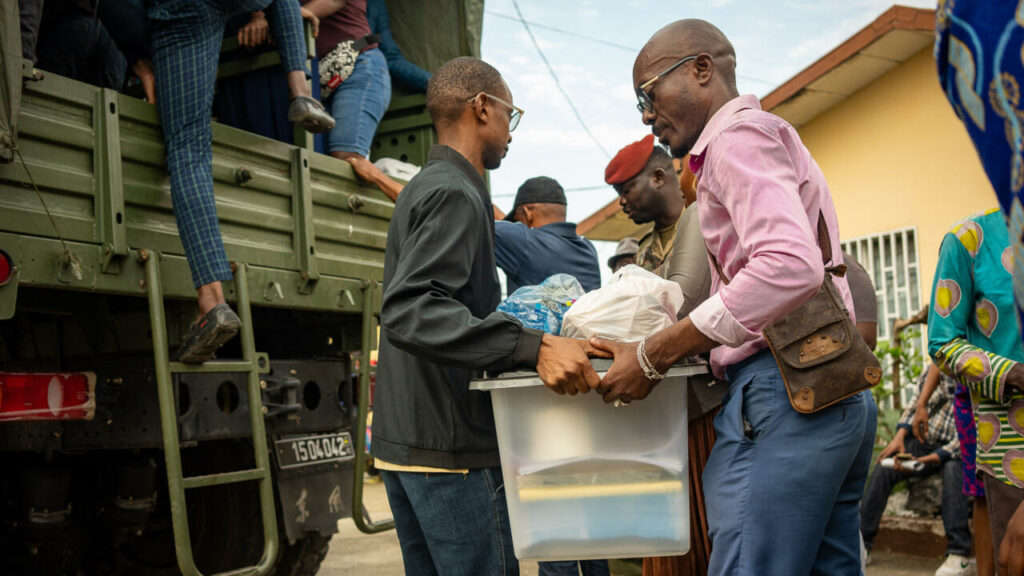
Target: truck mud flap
x=314, y=492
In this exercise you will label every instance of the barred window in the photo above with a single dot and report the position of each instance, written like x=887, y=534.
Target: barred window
x=891, y=260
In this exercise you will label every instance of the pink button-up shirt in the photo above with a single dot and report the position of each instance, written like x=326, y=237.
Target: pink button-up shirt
x=759, y=193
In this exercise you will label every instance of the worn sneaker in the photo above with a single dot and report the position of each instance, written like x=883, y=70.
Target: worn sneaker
x=218, y=326
x=309, y=114
x=957, y=565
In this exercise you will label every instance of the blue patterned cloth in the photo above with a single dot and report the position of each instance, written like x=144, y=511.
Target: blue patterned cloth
x=186, y=38
x=978, y=51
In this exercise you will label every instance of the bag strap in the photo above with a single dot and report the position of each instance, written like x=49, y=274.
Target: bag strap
x=824, y=244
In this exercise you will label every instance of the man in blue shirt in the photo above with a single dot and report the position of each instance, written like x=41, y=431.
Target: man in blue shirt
x=534, y=241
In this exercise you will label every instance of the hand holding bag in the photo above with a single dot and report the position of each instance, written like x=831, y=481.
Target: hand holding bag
x=822, y=357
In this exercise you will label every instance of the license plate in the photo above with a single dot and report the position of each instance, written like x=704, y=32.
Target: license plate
x=306, y=450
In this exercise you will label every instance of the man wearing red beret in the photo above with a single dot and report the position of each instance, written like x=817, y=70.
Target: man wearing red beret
x=648, y=189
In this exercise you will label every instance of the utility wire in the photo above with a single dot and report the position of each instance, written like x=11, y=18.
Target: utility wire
x=622, y=47
x=563, y=31
x=558, y=84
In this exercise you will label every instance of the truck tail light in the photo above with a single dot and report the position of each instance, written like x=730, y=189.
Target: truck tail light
x=31, y=396
x=6, y=268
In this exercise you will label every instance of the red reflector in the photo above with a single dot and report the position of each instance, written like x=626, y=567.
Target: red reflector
x=6, y=268
x=47, y=396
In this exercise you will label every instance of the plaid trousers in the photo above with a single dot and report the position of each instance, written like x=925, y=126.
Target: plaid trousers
x=185, y=38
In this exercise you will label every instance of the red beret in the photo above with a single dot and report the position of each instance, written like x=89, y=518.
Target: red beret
x=629, y=161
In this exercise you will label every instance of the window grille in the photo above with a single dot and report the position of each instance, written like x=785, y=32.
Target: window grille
x=891, y=260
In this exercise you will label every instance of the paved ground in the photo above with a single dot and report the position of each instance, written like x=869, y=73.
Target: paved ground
x=356, y=554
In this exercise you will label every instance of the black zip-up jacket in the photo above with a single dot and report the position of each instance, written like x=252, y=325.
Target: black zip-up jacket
x=438, y=322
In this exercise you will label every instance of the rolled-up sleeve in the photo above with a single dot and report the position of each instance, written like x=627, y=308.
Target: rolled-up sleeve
x=757, y=185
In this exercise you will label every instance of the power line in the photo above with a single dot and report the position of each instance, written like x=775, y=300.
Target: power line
x=622, y=47
x=558, y=84
x=563, y=31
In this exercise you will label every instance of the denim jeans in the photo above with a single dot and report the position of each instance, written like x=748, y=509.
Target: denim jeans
x=782, y=488
x=359, y=103
x=79, y=47
x=452, y=524
x=574, y=568
x=954, y=502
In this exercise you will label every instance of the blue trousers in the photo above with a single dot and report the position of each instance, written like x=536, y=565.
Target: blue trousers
x=80, y=47
x=359, y=103
x=574, y=568
x=452, y=524
x=954, y=501
x=186, y=37
x=783, y=489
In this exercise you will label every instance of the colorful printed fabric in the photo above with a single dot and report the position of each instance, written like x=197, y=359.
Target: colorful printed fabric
x=978, y=49
x=963, y=411
x=972, y=335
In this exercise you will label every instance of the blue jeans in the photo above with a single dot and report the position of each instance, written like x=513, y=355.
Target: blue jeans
x=783, y=489
x=359, y=103
x=452, y=524
x=573, y=568
x=954, y=501
x=79, y=47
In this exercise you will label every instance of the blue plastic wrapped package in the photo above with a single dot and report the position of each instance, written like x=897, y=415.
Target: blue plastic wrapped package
x=542, y=306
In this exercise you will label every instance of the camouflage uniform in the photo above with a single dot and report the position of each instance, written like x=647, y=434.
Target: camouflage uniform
x=653, y=255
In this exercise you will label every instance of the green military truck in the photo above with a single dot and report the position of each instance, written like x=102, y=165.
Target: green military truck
x=115, y=459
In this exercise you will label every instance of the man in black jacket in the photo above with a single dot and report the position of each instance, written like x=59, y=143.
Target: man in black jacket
x=433, y=438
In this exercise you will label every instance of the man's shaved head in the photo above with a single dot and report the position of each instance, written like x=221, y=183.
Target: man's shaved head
x=683, y=99
x=455, y=82
x=689, y=37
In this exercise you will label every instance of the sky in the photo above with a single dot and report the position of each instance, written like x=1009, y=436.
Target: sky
x=592, y=54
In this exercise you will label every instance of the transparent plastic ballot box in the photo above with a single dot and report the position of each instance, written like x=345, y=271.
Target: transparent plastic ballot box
x=588, y=480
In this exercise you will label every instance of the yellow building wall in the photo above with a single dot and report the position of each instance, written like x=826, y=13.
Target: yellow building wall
x=895, y=155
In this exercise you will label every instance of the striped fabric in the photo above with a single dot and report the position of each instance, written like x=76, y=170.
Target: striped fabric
x=998, y=409
x=186, y=39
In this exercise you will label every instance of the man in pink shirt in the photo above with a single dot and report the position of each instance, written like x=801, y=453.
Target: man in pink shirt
x=782, y=488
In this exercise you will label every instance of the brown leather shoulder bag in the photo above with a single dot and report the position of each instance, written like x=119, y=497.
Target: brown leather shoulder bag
x=822, y=357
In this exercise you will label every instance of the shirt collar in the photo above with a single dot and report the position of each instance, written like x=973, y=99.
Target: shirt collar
x=442, y=153
x=562, y=228
x=718, y=123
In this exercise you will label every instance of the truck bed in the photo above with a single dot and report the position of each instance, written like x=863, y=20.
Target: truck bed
x=312, y=234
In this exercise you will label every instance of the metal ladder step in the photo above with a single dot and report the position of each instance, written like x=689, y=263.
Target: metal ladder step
x=223, y=478
x=214, y=367
x=177, y=483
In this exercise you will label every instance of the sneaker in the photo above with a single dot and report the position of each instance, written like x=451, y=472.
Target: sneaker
x=309, y=114
x=207, y=334
x=956, y=565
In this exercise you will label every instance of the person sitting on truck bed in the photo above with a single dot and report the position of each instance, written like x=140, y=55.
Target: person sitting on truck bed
x=359, y=101
x=95, y=42
x=186, y=37
x=407, y=75
x=247, y=101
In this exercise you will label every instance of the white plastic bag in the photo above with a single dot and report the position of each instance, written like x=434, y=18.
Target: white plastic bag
x=635, y=304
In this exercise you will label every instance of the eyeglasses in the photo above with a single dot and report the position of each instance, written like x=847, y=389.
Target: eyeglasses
x=513, y=118
x=644, y=101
